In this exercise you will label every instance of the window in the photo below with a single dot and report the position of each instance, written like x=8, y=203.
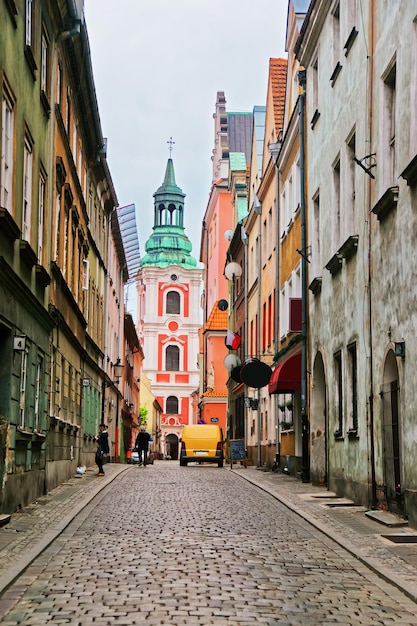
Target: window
x=59, y=85
x=68, y=119
x=172, y=359
x=350, y=183
x=85, y=275
x=316, y=251
x=27, y=190
x=315, y=92
x=353, y=391
x=6, y=172
x=173, y=303
x=22, y=399
x=336, y=201
x=339, y=394
x=29, y=23
x=44, y=63
x=389, y=121
x=41, y=215
x=172, y=404
x=336, y=34
x=38, y=383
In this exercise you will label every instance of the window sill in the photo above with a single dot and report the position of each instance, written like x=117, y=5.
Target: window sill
x=353, y=433
x=336, y=73
x=315, y=119
x=11, y=6
x=31, y=61
x=410, y=173
x=387, y=203
x=349, y=41
x=315, y=285
x=349, y=248
x=45, y=103
x=335, y=264
x=8, y=225
x=27, y=253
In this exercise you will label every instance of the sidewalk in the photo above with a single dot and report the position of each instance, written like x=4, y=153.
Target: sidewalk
x=33, y=529
x=353, y=527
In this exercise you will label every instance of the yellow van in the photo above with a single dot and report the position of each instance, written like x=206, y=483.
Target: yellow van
x=202, y=442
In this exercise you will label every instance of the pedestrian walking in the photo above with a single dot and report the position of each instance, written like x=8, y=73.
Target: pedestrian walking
x=102, y=448
x=142, y=444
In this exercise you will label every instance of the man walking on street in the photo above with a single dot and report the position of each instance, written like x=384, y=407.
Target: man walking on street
x=142, y=444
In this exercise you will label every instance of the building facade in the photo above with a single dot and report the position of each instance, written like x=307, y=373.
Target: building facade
x=361, y=219
x=169, y=284
x=61, y=254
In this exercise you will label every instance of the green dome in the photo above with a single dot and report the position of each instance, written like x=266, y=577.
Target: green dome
x=168, y=245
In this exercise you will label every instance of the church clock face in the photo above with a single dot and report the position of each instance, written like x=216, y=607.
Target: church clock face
x=174, y=277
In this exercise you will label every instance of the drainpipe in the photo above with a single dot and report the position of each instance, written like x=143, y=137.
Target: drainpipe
x=305, y=460
x=244, y=238
x=258, y=208
x=374, y=499
x=274, y=150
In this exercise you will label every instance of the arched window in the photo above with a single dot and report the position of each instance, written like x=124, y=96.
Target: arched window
x=172, y=359
x=172, y=404
x=173, y=302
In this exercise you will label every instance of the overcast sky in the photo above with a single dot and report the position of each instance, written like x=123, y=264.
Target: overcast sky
x=158, y=65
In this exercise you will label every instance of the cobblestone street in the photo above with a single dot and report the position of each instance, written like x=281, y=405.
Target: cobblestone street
x=197, y=545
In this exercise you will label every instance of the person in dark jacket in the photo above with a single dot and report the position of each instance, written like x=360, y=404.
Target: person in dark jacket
x=142, y=444
x=102, y=448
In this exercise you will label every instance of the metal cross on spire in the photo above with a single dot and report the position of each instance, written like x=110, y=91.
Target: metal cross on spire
x=171, y=143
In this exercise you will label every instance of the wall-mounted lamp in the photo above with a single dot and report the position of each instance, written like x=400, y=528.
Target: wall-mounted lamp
x=252, y=403
x=118, y=369
x=399, y=348
x=74, y=29
x=233, y=270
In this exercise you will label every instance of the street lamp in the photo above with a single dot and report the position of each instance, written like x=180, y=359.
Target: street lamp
x=118, y=370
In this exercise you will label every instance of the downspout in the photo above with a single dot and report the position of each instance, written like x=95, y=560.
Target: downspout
x=374, y=500
x=305, y=460
x=245, y=337
x=258, y=209
x=275, y=149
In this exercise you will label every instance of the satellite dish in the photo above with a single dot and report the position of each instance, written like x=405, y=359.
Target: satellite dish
x=233, y=270
x=223, y=305
x=228, y=234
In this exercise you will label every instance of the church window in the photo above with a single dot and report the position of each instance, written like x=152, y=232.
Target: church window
x=172, y=359
x=173, y=302
x=172, y=404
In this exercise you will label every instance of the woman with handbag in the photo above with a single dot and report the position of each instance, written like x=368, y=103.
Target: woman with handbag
x=102, y=448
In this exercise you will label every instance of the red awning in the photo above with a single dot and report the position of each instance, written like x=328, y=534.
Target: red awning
x=286, y=377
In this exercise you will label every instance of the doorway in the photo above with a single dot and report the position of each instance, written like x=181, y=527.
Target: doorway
x=319, y=470
x=391, y=436
x=171, y=447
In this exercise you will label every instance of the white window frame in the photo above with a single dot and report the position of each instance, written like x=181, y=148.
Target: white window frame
x=28, y=22
x=6, y=172
x=37, y=417
x=27, y=190
x=41, y=215
x=44, y=62
x=22, y=395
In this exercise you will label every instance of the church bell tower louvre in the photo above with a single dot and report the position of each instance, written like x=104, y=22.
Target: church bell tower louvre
x=169, y=287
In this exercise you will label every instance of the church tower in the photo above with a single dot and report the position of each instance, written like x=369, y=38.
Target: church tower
x=169, y=289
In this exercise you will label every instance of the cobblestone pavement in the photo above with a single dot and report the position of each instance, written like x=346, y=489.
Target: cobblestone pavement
x=194, y=545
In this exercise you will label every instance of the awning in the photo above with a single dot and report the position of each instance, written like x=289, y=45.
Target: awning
x=286, y=377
